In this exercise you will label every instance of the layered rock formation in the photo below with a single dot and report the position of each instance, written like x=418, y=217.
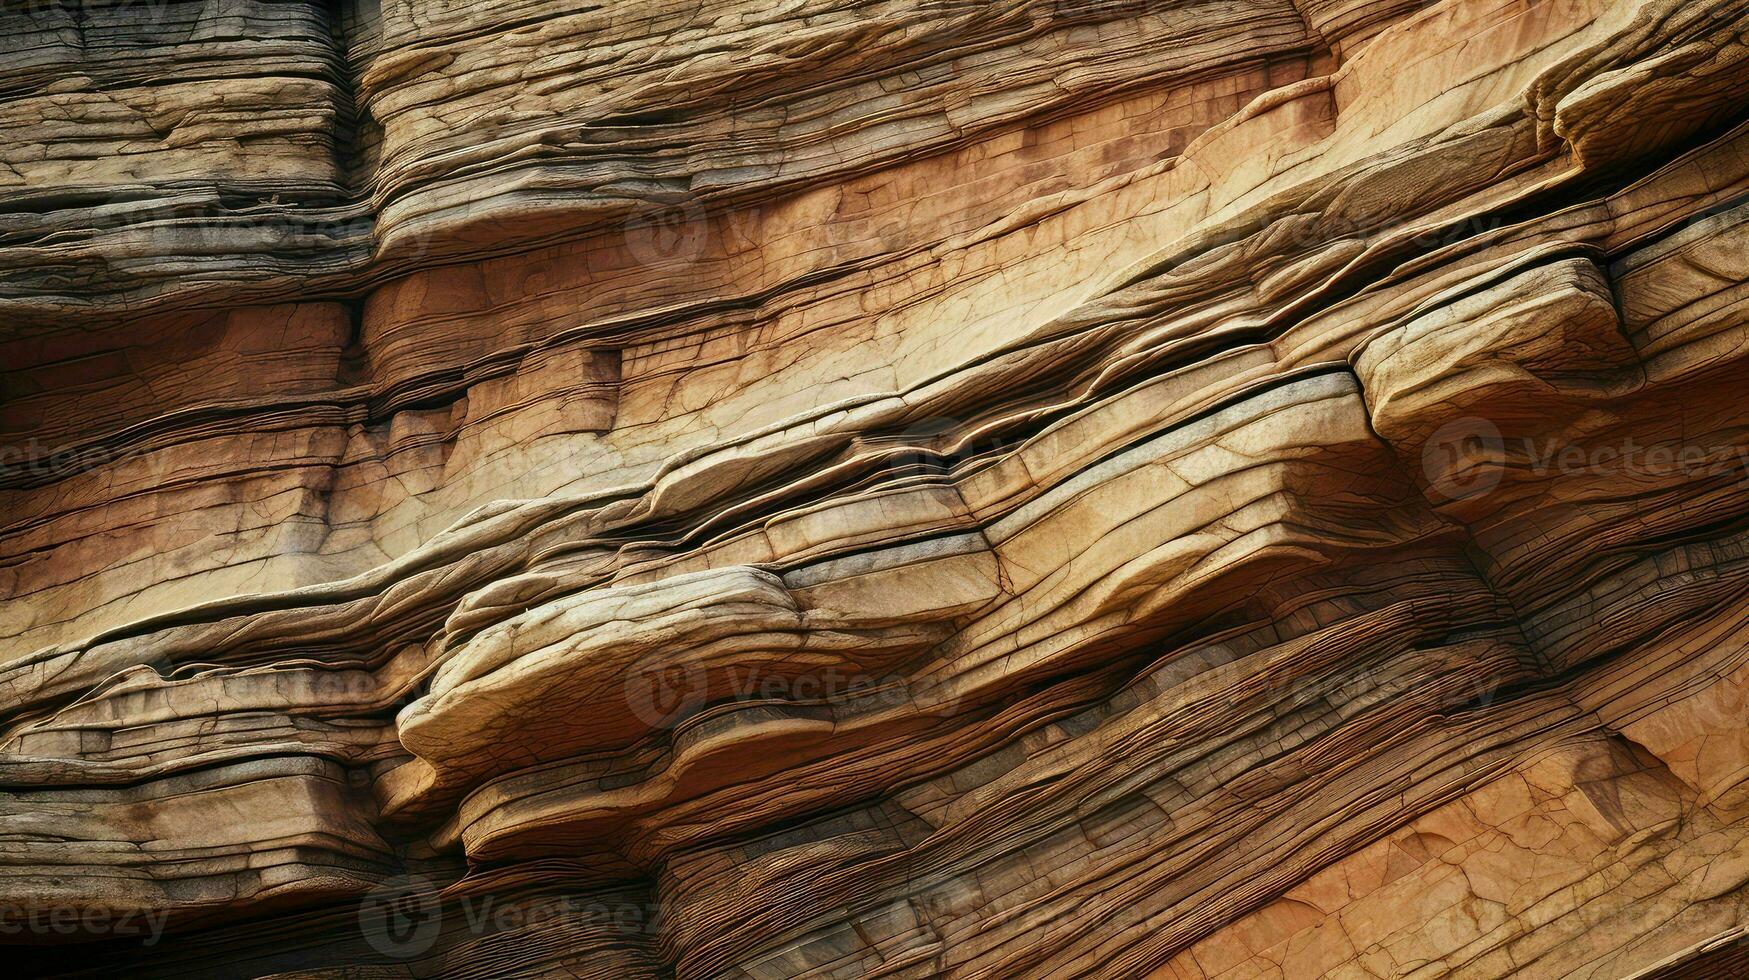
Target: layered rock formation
x=904, y=488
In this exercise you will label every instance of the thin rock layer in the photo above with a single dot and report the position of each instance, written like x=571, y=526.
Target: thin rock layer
x=904, y=488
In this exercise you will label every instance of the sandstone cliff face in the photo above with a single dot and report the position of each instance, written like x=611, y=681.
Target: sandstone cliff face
x=903, y=488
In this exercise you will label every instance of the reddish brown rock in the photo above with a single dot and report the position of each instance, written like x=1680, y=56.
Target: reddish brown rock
x=853, y=488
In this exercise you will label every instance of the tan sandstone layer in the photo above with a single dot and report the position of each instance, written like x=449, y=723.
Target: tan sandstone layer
x=904, y=488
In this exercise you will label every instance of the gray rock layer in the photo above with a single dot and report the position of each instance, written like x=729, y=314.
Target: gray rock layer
x=875, y=488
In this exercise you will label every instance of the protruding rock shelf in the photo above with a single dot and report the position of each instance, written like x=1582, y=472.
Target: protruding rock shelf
x=1191, y=489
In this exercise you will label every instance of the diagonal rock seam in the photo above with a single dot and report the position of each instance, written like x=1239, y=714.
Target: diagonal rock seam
x=876, y=487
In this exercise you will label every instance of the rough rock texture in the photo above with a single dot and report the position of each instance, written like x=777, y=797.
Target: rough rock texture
x=875, y=488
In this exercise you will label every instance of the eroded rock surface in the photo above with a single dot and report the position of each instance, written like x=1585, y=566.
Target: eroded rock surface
x=903, y=488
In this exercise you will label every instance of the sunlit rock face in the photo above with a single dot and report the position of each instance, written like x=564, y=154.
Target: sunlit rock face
x=875, y=488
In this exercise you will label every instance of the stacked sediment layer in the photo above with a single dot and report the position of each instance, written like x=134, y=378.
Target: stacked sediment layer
x=901, y=488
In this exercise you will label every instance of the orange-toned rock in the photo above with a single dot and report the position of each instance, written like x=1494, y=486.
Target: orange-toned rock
x=699, y=488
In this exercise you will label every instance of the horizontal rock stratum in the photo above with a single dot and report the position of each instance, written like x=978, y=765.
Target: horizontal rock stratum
x=1184, y=489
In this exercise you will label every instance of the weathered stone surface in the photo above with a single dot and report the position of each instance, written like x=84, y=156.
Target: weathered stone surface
x=904, y=488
